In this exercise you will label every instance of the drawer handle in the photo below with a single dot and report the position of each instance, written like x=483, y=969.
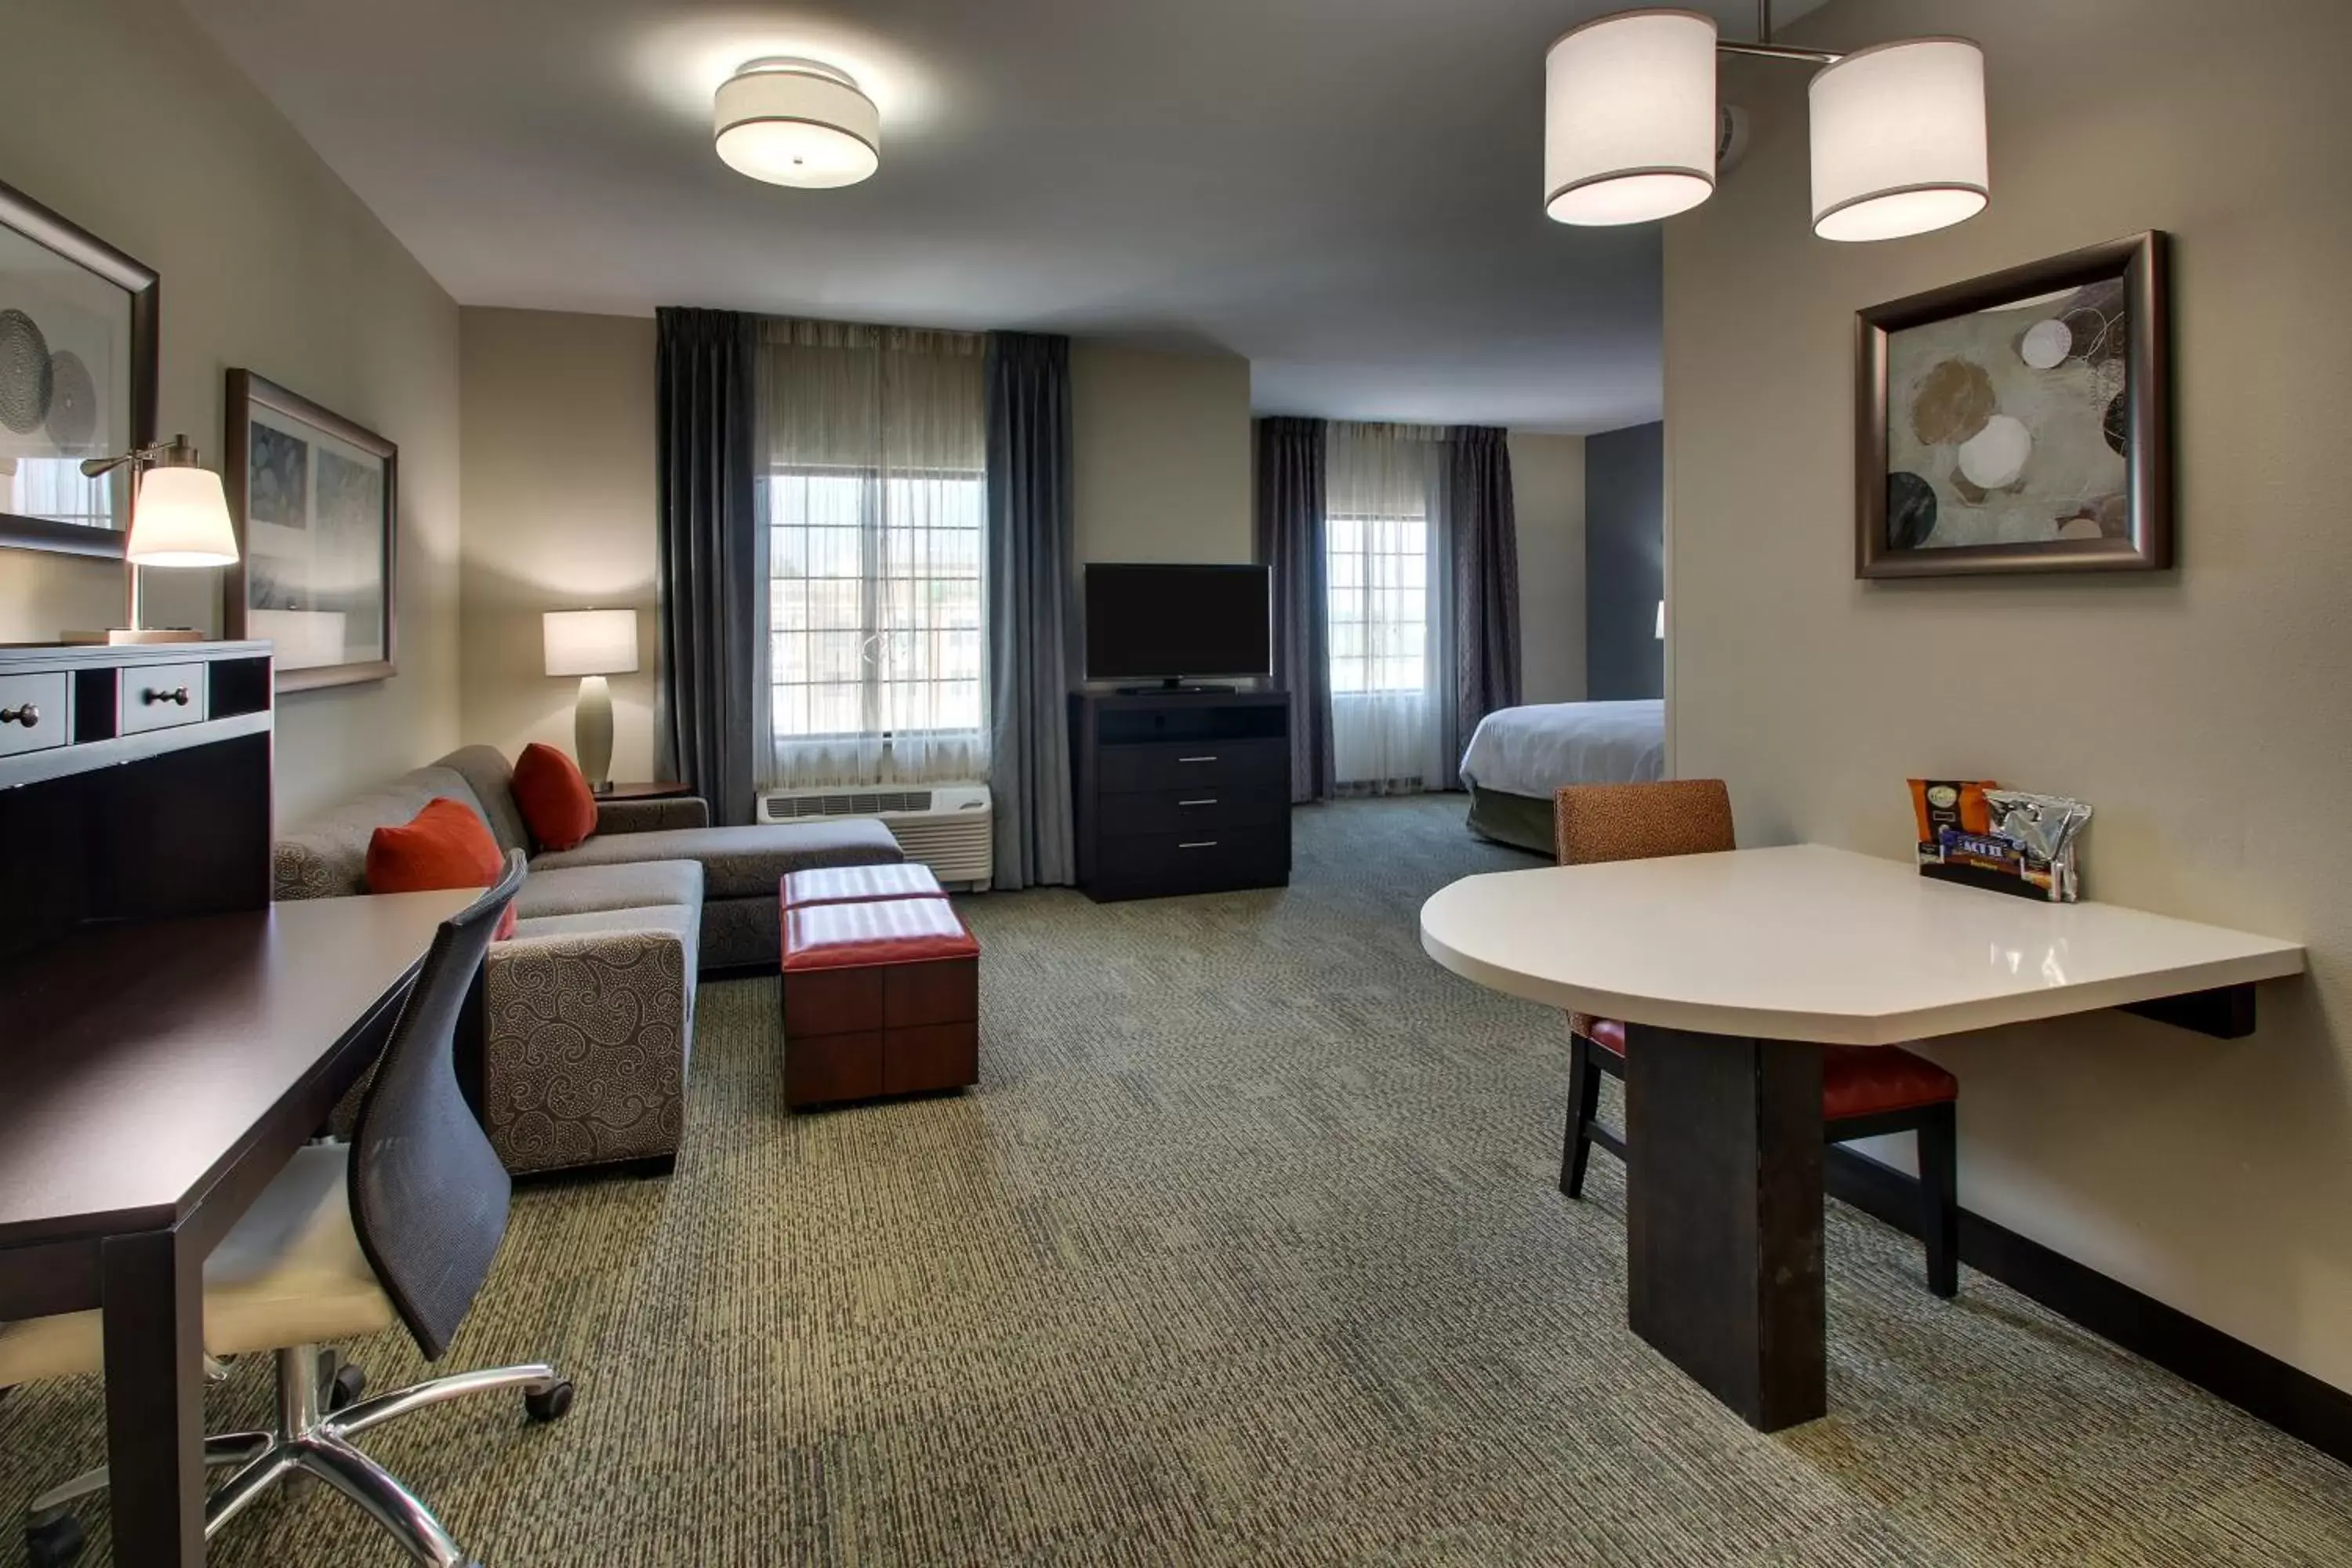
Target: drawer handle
x=1199, y=844
x=1210, y=801
x=27, y=715
x=1196, y=759
x=178, y=694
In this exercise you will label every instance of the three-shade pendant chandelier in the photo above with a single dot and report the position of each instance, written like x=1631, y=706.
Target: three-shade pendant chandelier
x=1630, y=125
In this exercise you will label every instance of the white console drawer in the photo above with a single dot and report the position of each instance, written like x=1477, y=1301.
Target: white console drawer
x=33, y=712
x=159, y=697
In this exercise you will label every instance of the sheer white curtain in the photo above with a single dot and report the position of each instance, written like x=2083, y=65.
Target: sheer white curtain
x=1387, y=560
x=876, y=512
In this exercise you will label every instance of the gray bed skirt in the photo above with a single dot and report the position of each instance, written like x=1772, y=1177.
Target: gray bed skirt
x=1519, y=820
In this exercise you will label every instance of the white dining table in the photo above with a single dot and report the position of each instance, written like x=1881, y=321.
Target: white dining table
x=1731, y=971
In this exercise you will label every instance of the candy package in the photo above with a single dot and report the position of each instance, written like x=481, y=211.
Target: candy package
x=2011, y=841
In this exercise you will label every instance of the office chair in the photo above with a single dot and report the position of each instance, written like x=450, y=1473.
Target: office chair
x=398, y=1225
x=1866, y=1090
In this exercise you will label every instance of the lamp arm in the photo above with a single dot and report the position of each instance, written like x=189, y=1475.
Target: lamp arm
x=176, y=453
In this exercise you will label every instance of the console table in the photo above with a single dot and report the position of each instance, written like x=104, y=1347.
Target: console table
x=1181, y=791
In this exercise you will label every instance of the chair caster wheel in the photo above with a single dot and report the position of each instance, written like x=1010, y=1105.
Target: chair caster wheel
x=551, y=1403
x=53, y=1543
x=345, y=1388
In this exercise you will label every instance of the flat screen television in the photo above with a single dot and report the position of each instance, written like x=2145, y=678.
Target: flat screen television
x=1165, y=624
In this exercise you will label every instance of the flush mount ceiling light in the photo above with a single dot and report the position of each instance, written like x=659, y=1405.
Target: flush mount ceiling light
x=1631, y=126
x=793, y=122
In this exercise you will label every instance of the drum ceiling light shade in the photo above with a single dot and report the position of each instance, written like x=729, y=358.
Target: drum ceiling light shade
x=1898, y=140
x=797, y=122
x=1629, y=118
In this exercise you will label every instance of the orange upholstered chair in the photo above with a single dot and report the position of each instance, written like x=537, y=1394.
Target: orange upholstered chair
x=1866, y=1090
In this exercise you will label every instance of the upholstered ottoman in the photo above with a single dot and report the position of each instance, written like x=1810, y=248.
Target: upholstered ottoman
x=860, y=884
x=880, y=998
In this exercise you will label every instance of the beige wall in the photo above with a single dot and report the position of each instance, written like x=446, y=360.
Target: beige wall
x=559, y=500
x=2205, y=713
x=1547, y=496
x=1161, y=455
x=123, y=117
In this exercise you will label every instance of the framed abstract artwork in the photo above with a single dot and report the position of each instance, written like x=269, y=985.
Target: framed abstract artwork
x=2020, y=422
x=316, y=502
x=77, y=344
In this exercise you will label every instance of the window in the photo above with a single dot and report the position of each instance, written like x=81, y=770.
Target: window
x=1377, y=568
x=874, y=603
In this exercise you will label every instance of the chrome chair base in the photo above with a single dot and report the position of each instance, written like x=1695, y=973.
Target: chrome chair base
x=312, y=1441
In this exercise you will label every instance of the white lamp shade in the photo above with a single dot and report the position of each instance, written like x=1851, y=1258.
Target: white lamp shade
x=590, y=642
x=1898, y=140
x=1629, y=118
x=797, y=122
x=180, y=519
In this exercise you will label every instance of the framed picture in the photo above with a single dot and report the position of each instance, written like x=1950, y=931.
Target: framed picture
x=78, y=335
x=2020, y=422
x=316, y=502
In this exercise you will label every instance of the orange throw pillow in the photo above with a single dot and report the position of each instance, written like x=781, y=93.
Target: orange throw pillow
x=444, y=846
x=555, y=799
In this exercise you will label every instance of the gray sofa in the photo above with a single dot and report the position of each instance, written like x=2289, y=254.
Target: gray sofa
x=588, y=1011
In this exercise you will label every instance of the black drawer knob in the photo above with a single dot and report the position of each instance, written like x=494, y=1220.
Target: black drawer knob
x=178, y=694
x=27, y=715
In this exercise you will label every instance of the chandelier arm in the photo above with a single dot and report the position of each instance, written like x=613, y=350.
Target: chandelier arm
x=1779, y=52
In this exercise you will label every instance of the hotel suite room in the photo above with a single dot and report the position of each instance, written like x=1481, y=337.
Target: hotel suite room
x=1554, y=1045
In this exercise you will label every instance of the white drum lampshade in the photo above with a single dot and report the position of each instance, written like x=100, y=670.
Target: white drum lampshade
x=592, y=645
x=1898, y=140
x=180, y=519
x=797, y=122
x=1629, y=118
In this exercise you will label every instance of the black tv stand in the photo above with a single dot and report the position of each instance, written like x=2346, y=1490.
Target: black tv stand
x=1173, y=686
x=1181, y=791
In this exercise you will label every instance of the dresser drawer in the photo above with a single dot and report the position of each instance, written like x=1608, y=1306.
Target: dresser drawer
x=33, y=712
x=159, y=697
x=1207, y=860
x=1188, y=764
x=1203, y=806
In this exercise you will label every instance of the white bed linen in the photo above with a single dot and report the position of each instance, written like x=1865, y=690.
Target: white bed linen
x=1533, y=751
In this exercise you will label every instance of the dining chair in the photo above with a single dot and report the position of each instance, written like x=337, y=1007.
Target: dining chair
x=1867, y=1091
x=399, y=1225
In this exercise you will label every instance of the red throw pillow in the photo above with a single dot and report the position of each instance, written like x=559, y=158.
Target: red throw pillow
x=444, y=846
x=555, y=799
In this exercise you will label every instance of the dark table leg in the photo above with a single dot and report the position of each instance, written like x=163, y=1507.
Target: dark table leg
x=1724, y=1216
x=152, y=1290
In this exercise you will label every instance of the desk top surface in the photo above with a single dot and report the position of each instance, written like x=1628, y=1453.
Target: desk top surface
x=1814, y=943
x=136, y=1060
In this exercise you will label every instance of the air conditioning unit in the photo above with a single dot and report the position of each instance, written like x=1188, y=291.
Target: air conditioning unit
x=952, y=828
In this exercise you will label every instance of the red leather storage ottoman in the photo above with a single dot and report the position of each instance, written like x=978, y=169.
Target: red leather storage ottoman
x=880, y=998
x=860, y=884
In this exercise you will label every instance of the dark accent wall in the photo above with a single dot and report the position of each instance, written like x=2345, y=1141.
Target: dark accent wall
x=1624, y=562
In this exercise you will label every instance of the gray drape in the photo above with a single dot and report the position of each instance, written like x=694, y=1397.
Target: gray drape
x=707, y=556
x=1484, y=535
x=1289, y=492
x=1032, y=562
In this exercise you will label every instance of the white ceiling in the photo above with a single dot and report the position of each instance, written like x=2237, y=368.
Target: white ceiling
x=1346, y=192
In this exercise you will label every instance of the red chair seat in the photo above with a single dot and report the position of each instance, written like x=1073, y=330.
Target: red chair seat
x=1856, y=1080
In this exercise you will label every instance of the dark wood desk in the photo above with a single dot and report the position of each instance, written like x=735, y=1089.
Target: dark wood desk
x=158, y=1076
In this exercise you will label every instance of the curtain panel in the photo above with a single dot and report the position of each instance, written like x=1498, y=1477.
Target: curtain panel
x=710, y=625
x=1390, y=563
x=1483, y=532
x=1288, y=498
x=1032, y=563
x=872, y=456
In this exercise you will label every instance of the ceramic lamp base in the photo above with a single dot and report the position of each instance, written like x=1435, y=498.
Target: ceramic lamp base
x=592, y=731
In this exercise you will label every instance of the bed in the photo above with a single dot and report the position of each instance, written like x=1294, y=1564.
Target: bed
x=1519, y=755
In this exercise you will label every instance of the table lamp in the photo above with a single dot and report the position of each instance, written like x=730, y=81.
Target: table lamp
x=592, y=645
x=179, y=518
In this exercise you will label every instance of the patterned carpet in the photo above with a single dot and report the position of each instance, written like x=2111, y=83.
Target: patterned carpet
x=1245, y=1251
